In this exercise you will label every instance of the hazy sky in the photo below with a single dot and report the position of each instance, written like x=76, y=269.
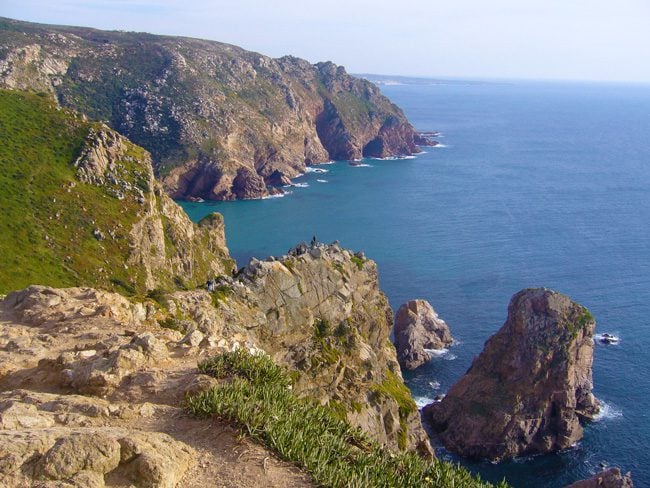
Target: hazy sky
x=556, y=39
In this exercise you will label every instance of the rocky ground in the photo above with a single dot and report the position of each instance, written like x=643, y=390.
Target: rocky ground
x=129, y=425
x=93, y=383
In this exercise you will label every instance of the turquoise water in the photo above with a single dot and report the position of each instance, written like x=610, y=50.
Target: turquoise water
x=538, y=185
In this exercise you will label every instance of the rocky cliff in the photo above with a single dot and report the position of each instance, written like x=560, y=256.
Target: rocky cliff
x=81, y=206
x=320, y=313
x=530, y=387
x=220, y=122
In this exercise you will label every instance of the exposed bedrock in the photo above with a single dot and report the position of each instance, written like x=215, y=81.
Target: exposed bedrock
x=530, y=387
x=609, y=478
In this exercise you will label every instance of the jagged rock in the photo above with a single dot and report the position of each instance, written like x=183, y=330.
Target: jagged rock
x=609, y=478
x=193, y=338
x=527, y=390
x=242, y=120
x=322, y=314
x=418, y=328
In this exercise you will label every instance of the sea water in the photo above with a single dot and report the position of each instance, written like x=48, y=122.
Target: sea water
x=537, y=184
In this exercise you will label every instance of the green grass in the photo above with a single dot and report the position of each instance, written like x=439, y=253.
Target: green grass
x=256, y=394
x=358, y=261
x=48, y=216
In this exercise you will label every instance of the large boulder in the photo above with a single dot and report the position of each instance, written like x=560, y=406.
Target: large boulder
x=417, y=330
x=609, y=478
x=528, y=389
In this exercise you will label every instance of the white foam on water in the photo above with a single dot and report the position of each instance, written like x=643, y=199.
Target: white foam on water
x=316, y=170
x=614, y=338
x=438, y=146
x=327, y=162
x=362, y=165
x=435, y=385
x=608, y=412
x=322, y=181
x=441, y=353
x=422, y=401
x=437, y=352
x=300, y=185
x=279, y=195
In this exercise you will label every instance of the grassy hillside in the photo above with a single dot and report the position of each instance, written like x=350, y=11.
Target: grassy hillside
x=56, y=230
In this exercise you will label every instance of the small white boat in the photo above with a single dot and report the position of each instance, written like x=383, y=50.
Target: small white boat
x=606, y=338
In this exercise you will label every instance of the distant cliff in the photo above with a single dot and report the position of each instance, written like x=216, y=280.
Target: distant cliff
x=220, y=122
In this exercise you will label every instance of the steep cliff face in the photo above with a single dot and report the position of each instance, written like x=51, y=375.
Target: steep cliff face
x=528, y=389
x=320, y=312
x=83, y=207
x=325, y=316
x=218, y=120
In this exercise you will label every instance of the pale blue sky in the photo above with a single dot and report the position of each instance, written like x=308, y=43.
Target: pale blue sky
x=540, y=39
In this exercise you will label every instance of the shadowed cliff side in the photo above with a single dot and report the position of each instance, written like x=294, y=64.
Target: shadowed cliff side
x=220, y=122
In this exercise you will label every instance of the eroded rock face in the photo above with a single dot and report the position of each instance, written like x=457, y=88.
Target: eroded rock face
x=319, y=310
x=418, y=328
x=239, y=119
x=609, y=478
x=528, y=389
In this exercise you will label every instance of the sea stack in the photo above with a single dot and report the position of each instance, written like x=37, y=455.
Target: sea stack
x=528, y=389
x=417, y=329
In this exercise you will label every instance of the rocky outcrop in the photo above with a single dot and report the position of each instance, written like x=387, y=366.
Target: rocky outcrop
x=219, y=120
x=320, y=311
x=609, y=478
x=417, y=330
x=60, y=441
x=163, y=243
x=529, y=388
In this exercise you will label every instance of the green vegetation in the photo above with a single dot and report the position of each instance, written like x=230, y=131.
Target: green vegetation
x=46, y=230
x=256, y=394
x=358, y=261
x=393, y=387
x=220, y=294
x=580, y=324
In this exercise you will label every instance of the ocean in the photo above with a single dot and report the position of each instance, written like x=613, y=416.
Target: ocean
x=535, y=184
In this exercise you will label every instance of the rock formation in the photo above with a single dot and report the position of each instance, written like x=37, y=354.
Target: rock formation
x=418, y=328
x=220, y=122
x=609, y=478
x=320, y=311
x=528, y=389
